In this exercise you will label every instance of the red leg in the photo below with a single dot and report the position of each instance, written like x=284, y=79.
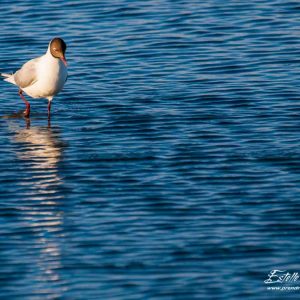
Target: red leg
x=49, y=109
x=27, y=110
x=27, y=123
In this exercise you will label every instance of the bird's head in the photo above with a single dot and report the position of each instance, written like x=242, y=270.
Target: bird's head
x=58, y=48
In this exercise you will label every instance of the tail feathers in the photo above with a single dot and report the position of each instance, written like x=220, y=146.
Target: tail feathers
x=8, y=77
x=5, y=75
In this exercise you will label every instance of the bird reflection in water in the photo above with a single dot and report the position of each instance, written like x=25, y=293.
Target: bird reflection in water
x=40, y=150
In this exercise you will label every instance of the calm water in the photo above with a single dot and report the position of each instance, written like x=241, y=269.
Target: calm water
x=171, y=169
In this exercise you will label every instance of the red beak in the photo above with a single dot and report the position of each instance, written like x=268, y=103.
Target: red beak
x=63, y=59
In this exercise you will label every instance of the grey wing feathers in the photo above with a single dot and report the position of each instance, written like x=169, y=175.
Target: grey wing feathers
x=26, y=76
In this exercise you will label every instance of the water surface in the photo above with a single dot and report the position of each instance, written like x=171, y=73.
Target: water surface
x=170, y=169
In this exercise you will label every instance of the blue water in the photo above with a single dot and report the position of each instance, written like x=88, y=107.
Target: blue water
x=171, y=167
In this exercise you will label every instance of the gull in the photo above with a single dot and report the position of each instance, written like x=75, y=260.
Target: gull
x=42, y=77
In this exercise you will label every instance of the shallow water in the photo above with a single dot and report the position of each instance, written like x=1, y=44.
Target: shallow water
x=170, y=169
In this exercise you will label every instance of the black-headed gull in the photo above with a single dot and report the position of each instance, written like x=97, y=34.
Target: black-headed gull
x=42, y=77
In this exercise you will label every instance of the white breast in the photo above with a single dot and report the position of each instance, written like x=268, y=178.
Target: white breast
x=51, y=77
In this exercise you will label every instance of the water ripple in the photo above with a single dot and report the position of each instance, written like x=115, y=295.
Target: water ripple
x=170, y=169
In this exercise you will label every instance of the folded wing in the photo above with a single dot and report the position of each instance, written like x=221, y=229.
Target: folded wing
x=27, y=75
